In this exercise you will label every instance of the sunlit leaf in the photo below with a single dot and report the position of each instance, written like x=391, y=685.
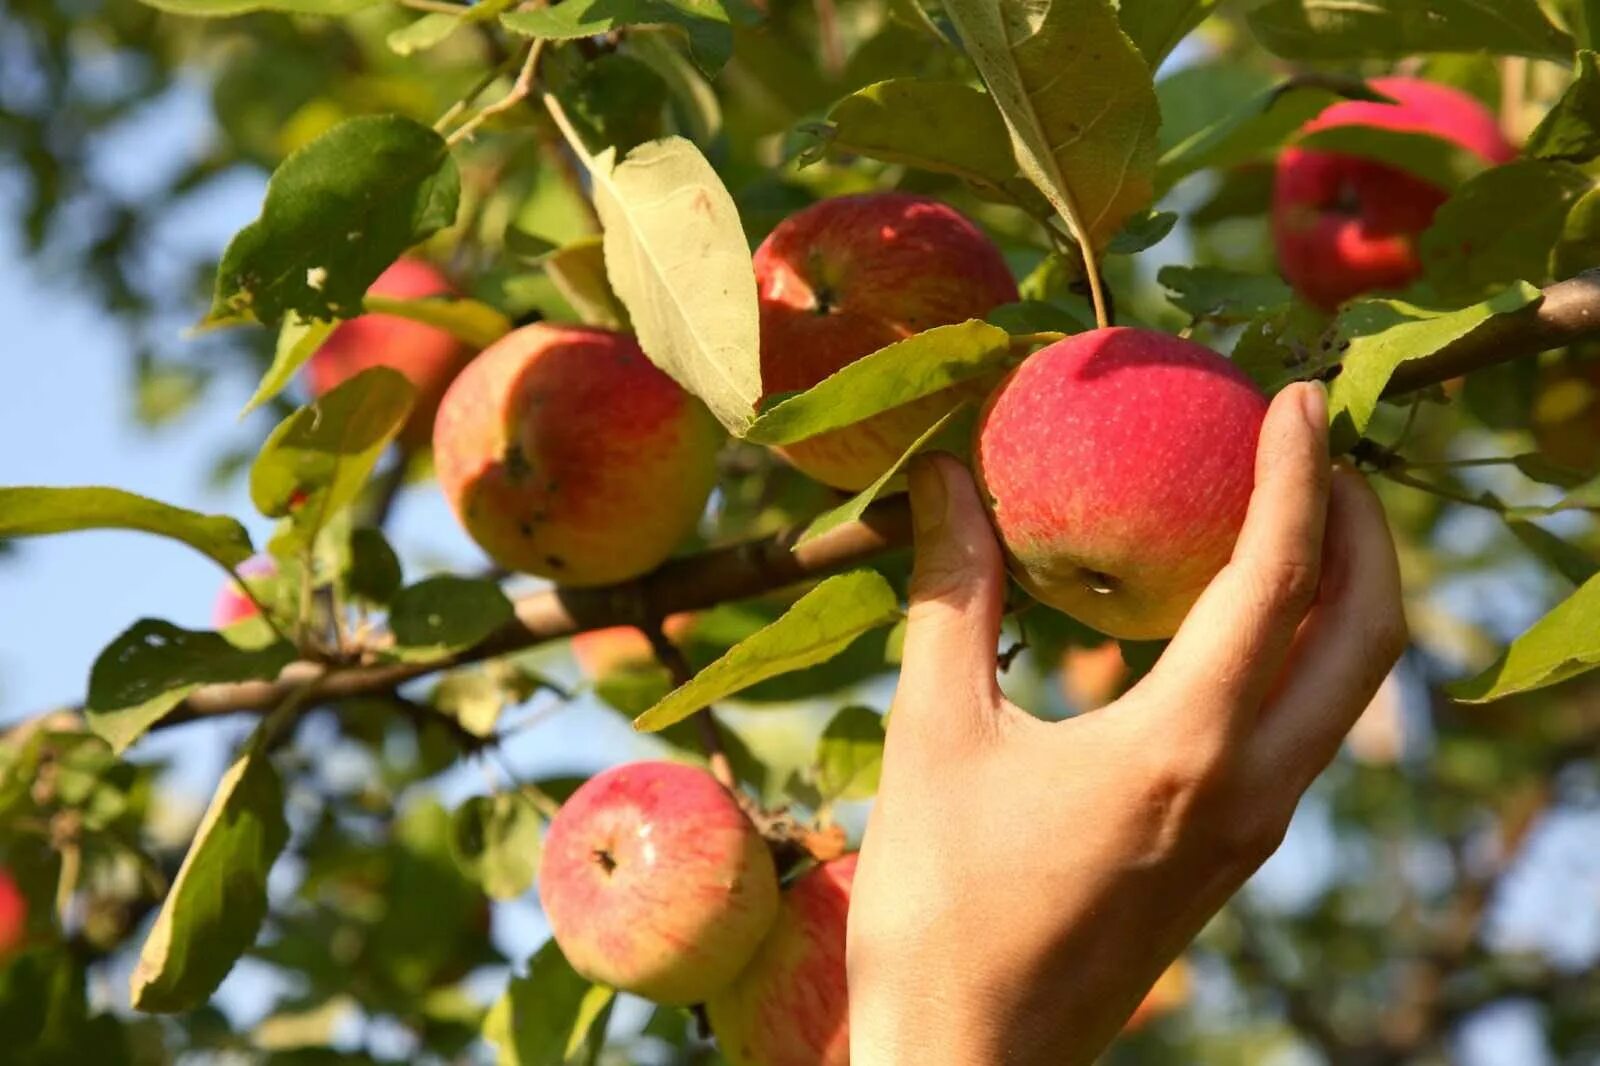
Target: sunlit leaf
x=1335, y=29
x=495, y=839
x=551, y=1017
x=443, y=615
x=943, y=126
x=41, y=511
x=1561, y=645
x=850, y=754
x=704, y=22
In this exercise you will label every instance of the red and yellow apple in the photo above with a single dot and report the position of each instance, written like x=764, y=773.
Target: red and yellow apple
x=565, y=453
x=1092, y=677
x=847, y=276
x=1117, y=465
x=655, y=882
x=428, y=356
x=13, y=916
x=233, y=606
x=604, y=652
x=790, y=1007
x=1345, y=224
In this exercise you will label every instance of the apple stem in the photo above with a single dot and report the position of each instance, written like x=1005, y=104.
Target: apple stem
x=1097, y=294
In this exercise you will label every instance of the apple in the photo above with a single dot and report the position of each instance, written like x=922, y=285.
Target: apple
x=1566, y=413
x=604, y=652
x=1344, y=224
x=1092, y=677
x=428, y=356
x=1170, y=992
x=847, y=276
x=13, y=916
x=233, y=606
x=565, y=453
x=655, y=882
x=790, y=1007
x=1117, y=465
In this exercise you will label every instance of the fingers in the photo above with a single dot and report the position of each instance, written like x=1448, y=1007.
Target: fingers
x=1348, y=644
x=947, y=672
x=1234, y=641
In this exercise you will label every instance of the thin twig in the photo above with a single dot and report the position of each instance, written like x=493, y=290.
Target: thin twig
x=518, y=93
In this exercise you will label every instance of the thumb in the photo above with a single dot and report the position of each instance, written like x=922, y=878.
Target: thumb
x=957, y=588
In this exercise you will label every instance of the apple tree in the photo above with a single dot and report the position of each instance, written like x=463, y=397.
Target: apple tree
x=661, y=296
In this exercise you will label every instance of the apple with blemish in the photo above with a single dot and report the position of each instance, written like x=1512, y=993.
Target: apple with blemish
x=1346, y=224
x=655, y=882
x=428, y=356
x=790, y=1007
x=1117, y=465
x=845, y=277
x=567, y=454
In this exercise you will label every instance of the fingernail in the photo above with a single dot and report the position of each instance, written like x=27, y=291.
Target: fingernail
x=929, y=499
x=1314, y=402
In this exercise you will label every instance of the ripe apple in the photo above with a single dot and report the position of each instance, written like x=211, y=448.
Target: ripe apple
x=604, y=652
x=790, y=1007
x=1092, y=677
x=847, y=276
x=13, y=916
x=655, y=882
x=1344, y=224
x=428, y=356
x=1117, y=465
x=233, y=606
x=566, y=453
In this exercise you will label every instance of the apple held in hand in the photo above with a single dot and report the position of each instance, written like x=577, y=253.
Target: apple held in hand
x=654, y=881
x=1117, y=465
x=847, y=276
x=791, y=1006
x=428, y=356
x=566, y=453
x=1345, y=224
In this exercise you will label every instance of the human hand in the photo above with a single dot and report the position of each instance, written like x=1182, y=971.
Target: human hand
x=1023, y=883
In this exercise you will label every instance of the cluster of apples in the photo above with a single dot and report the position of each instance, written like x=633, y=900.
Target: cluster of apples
x=1116, y=463
x=655, y=881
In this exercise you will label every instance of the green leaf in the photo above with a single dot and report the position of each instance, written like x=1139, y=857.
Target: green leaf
x=1144, y=230
x=1336, y=29
x=1433, y=159
x=954, y=429
x=697, y=101
x=921, y=365
x=1251, y=129
x=1385, y=333
x=436, y=26
x=1570, y=131
x=216, y=904
x=338, y=212
x=153, y=665
x=373, y=574
x=551, y=1017
x=850, y=755
x=819, y=625
x=495, y=840
x=316, y=460
x=471, y=321
x=1566, y=559
x=1559, y=646
x=298, y=340
x=442, y=615
x=1579, y=245
x=678, y=259
x=704, y=22
x=1077, y=98
x=579, y=271
x=1501, y=225
x=943, y=126
x=219, y=8
x=40, y=511
x=1156, y=26
x=1223, y=295
x=1036, y=316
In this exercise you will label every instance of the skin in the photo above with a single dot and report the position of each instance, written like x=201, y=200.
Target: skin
x=13, y=916
x=1090, y=851
x=847, y=276
x=1170, y=992
x=565, y=453
x=1345, y=225
x=790, y=1007
x=655, y=882
x=1117, y=467
x=428, y=356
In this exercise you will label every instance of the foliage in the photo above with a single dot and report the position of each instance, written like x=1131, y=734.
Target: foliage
x=612, y=162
